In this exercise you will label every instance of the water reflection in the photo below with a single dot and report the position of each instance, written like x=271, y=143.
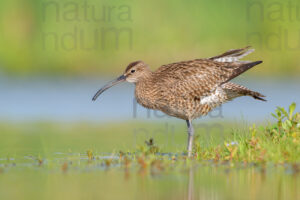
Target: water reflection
x=151, y=179
x=191, y=184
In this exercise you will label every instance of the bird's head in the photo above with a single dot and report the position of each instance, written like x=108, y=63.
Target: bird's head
x=134, y=72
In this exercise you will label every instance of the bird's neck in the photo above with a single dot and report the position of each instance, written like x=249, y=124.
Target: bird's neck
x=147, y=76
x=145, y=90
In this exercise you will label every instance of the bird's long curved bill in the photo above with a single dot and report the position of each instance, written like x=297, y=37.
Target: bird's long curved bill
x=109, y=85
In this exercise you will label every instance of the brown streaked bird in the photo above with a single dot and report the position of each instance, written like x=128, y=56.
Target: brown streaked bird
x=189, y=89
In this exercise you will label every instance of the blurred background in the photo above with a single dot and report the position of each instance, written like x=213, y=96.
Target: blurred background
x=94, y=39
x=55, y=54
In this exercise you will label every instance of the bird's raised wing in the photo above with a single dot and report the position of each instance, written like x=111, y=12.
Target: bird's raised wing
x=201, y=76
x=233, y=55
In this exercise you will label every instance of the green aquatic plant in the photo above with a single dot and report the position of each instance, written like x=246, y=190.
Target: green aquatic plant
x=149, y=148
x=287, y=121
x=277, y=143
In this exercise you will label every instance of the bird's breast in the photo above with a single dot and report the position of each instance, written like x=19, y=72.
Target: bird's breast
x=146, y=95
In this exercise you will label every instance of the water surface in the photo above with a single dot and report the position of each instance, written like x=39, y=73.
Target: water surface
x=70, y=100
x=74, y=176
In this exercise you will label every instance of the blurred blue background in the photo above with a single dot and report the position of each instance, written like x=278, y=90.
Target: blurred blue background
x=55, y=143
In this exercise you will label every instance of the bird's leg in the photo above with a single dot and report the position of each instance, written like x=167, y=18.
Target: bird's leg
x=190, y=137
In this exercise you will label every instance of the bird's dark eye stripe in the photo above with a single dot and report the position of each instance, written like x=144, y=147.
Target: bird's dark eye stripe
x=132, y=71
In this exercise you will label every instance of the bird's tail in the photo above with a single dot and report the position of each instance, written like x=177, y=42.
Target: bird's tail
x=241, y=68
x=255, y=95
x=234, y=90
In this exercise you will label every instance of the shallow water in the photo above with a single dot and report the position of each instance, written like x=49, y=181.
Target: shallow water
x=70, y=100
x=74, y=176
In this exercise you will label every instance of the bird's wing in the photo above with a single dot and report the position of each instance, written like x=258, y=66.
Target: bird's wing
x=233, y=55
x=199, y=77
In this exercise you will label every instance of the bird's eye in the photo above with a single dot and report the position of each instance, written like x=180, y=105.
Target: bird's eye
x=132, y=71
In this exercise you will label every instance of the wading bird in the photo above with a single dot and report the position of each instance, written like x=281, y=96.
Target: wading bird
x=189, y=89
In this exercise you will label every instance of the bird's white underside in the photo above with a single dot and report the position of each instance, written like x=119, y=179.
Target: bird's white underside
x=214, y=98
